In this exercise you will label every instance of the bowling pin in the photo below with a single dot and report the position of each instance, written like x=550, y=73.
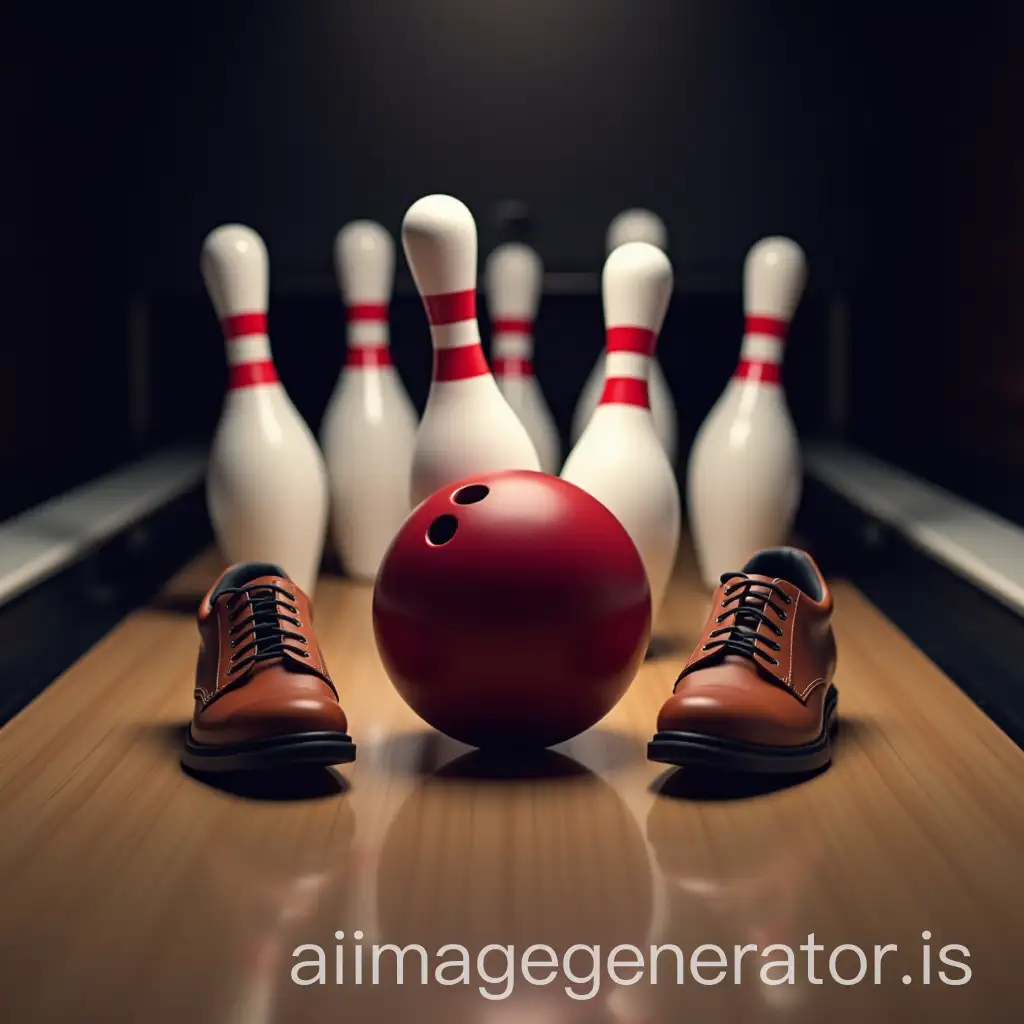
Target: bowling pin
x=513, y=279
x=744, y=476
x=634, y=225
x=266, y=484
x=369, y=427
x=619, y=458
x=467, y=426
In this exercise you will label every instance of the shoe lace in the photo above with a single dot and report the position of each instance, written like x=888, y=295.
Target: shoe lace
x=262, y=635
x=747, y=602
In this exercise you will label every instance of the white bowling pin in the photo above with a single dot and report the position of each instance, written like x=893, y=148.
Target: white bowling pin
x=619, y=458
x=744, y=477
x=467, y=426
x=634, y=225
x=513, y=280
x=266, y=484
x=369, y=427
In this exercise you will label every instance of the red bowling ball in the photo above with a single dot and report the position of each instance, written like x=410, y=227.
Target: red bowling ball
x=512, y=610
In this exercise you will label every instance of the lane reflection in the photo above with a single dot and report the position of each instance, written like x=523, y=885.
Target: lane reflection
x=486, y=852
x=271, y=883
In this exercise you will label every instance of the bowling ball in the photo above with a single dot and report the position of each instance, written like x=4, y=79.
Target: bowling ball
x=511, y=610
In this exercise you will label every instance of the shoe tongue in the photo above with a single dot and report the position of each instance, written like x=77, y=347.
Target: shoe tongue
x=754, y=596
x=270, y=581
x=758, y=595
x=249, y=574
x=254, y=570
x=762, y=579
x=270, y=602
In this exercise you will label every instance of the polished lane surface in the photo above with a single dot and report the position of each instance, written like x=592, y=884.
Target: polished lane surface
x=130, y=891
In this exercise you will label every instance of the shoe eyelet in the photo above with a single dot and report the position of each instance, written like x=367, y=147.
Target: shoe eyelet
x=774, y=661
x=789, y=600
x=719, y=619
x=783, y=616
x=705, y=647
x=303, y=654
x=303, y=640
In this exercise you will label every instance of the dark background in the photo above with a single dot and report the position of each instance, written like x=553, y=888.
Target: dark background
x=888, y=144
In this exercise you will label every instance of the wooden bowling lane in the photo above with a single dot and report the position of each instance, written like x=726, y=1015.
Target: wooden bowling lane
x=130, y=891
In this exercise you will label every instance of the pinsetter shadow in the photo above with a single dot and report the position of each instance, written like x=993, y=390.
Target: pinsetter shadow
x=280, y=785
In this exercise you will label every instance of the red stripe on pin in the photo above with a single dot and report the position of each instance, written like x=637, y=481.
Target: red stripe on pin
x=770, y=326
x=625, y=391
x=638, y=340
x=367, y=313
x=510, y=326
x=450, y=308
x=244, y=325
x=513, y=366
x=459, y=363
x=247, y=375
x=758, y=372
x=372, y=355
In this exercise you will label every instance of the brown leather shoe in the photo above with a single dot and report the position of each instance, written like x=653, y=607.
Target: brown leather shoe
x=757, y=693
x=263, y=695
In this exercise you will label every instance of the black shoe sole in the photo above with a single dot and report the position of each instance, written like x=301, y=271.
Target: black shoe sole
x=303, y=748
x=687, y=750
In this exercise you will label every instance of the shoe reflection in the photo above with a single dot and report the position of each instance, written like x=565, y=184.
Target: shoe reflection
x=276, y=884
x=735, y=875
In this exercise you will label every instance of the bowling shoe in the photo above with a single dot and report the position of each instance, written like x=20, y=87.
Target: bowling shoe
x=757, y=693
x=263, y=695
